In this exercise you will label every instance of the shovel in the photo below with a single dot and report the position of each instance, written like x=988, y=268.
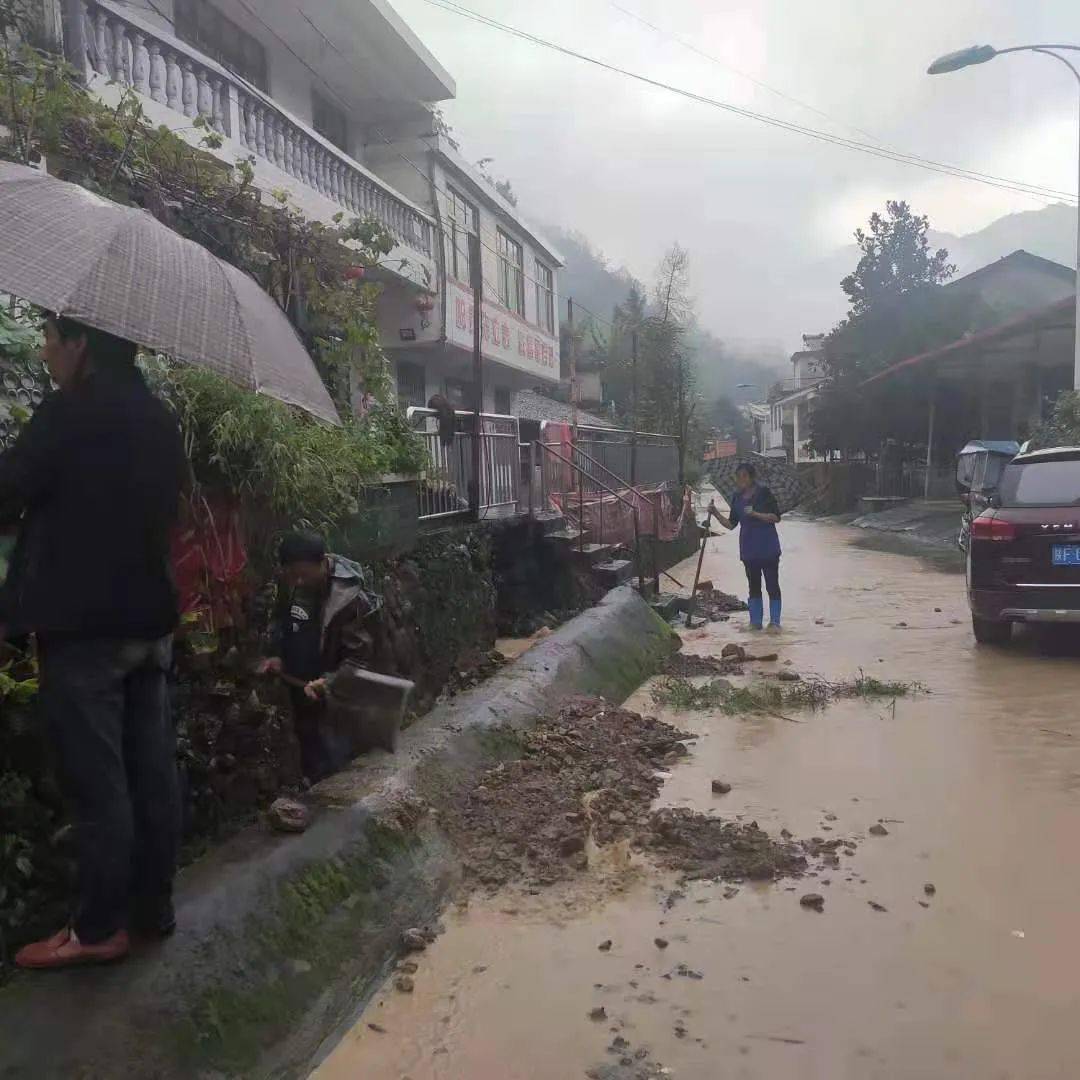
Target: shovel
x=365, y=709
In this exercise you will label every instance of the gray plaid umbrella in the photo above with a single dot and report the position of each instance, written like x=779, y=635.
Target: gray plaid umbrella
x=776, y=474
x=118, y=269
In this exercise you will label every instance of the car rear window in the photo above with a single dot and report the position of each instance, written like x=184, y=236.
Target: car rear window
x=1042, y=483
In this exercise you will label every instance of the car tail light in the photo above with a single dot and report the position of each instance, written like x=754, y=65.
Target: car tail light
x=992, y=528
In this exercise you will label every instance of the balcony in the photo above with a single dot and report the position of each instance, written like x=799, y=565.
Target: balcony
x=178, y=83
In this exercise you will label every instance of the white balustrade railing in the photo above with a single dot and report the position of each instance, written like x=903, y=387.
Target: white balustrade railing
x=116, y=46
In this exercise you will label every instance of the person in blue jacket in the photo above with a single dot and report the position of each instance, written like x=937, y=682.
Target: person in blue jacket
x=755, y=511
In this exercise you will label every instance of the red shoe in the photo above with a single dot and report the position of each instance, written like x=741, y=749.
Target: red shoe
x=64, y=949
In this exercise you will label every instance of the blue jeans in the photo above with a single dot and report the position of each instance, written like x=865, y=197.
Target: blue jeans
x=106, y=705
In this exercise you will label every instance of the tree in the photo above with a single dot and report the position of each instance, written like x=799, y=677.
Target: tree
x=898, y=309
x=896, y=259
x=667, y=388
x=728, y=421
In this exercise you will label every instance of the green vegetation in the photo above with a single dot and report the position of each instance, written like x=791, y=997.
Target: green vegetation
x=279, y=459
x=1062, y=427
x=768, y=697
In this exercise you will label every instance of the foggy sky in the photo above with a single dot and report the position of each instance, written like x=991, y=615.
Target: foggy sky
x=635, y=168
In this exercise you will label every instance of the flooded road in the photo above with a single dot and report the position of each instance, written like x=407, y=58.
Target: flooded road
x=978, y=783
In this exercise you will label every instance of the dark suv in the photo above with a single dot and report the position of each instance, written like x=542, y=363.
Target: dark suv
x=1023, y=561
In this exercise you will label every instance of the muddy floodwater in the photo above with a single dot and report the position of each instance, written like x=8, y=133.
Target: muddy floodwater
x=978, y=786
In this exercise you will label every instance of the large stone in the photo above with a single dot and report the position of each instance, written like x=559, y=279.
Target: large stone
x=288, y=815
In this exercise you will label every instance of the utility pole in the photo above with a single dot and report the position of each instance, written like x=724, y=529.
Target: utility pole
x=476, y=274
x=573, y=366
x=633, y=407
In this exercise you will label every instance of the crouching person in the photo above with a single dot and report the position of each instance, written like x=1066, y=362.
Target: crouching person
x=319, y=625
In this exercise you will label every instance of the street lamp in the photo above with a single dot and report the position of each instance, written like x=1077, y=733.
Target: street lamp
x=980, y=54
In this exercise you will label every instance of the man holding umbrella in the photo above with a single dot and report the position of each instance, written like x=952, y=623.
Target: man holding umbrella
x=94, y=483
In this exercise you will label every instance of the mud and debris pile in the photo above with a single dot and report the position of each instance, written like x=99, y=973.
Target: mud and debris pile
x=702, y=846
x=586, y=778
x=715, y=605
x=687, y=666
x=588, y=773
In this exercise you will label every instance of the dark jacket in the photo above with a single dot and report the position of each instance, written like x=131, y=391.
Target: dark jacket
x=94, y=481
x=348, y=604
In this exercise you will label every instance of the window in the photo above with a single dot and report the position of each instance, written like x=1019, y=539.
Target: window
x=202, y=25
x=511, y=277
x=545, y=297
x=1042, y=483
x=504, y=400
x=411, y=385
x=462, y=223
x=329, y=121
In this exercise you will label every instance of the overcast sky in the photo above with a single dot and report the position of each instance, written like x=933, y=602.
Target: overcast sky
x=635, y=168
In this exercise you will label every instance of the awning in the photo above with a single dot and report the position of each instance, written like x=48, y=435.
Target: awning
x=1036, y=319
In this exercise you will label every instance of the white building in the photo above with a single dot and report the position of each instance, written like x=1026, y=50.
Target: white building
x=334, y=103
x=788, y=430
x=433, y=350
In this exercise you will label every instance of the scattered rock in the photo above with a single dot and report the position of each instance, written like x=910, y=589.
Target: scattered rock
x=937, y=610
x=288, y=815
x=789, y=676
x=617, y=817
x=408, y=967
x=830, y=817
x=813, y=900
x=598, y=1014
x=720, y=787
x=571, y=845
x=734, y=651
x=923, y=903
x=929, y=888
x=414, y=940
x=878, y=830
x=605, y=946
x=660, y=943
x=404, y=983
x=730, y=892
x=876, y=906
x=378, y=1028
x=688, y=973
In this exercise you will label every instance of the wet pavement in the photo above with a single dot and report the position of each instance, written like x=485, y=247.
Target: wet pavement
x=978, y=784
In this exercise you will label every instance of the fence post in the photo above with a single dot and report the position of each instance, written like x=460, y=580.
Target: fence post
x=581, y=508
x=532, y=476
x=637, y=554
x=656, y=541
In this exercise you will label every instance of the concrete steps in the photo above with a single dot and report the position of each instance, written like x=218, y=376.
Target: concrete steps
x=614, y=572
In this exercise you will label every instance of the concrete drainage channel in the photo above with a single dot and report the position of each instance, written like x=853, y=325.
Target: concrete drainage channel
x=283, y=939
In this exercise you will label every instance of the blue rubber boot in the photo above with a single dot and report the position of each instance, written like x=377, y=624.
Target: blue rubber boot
x=774, y=611
x=757, y=611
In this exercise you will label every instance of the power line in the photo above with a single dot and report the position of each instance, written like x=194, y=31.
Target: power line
x=680, y=40
x=806, y=105
x=1030, y=190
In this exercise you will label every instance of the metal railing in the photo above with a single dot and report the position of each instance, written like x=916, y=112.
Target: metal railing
x=105, y=43
x=598, y=490
x=444, y=486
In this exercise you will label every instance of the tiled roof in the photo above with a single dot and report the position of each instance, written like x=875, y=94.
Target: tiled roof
x=530, y=405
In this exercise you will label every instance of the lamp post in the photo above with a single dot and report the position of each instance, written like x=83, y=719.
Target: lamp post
x=980, y=54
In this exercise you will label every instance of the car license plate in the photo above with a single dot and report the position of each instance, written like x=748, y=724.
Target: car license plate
x=1065, y=555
